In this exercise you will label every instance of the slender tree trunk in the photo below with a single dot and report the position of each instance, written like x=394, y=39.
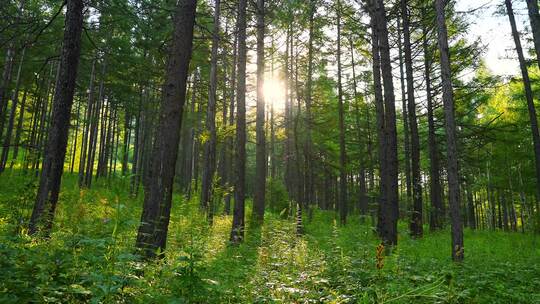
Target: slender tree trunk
x=14, y=102
x=19, y=130
x=237, y=231
x=94, y=129
x=362, y=197
x=342, y=148
x=231, y=179
x=53, y=164
x=451, y=142
x=76, y=136
x=152, y=234
x=437, y=213
x=209, y=157
x=528, y=93
x=405, y=118
x=417, y=214
x=260, y=158
x=4, y=85
x=309, y=87
x=87, y=124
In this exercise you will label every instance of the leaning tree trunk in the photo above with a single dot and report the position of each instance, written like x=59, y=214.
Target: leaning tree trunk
x=451, y=142
x=528, y=94
x=13, y=113
x=53, y=164
x=209, y=160
x=237, y=231
x=416, y=216
x=260, y=158
x=152, y=234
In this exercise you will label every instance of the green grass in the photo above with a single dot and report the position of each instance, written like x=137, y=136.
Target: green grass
x=89, y=258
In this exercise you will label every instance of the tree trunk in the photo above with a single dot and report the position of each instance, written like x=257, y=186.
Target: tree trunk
x=14, y=102
x=237, y=231
x=260, y=158
x=417, y=215
x=4, y=85
x=405, y=118
x=437, y=213
x=528, y=93
x=389, y=209
x=451, y=142
x=152, y=234
x=53, y=164
x=87, y=124
x=342, y=151
x=209, y=157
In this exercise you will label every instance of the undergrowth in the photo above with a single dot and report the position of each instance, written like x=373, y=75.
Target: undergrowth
x=90, y=257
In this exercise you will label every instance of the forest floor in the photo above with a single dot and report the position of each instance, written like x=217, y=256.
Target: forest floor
x=89, y=258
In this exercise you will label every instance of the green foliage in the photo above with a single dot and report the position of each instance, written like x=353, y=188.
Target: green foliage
x=89, y=258
x=277, y=198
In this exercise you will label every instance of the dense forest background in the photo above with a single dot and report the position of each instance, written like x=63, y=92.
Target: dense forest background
x=287, y=151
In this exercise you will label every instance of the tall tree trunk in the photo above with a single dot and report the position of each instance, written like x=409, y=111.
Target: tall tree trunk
x=451, y=142
x=53, y=164
x=87, y=124
x=380, y=119
x=152, y=234
x=390, y=208
x=209, y=157
x=94, y=129
x=237, y=231
x=4, y=85
x=362, y=197
x=341, y=110
x=416, y=216
x=528, y=94
x=14, y=102
x=309, y=87
x=76, y=136
x=231, y=179
x=260, y=158
x=437, y=213
x=405, y=118
x=19, y=130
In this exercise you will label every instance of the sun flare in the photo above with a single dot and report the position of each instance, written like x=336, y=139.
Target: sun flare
x=274, y=93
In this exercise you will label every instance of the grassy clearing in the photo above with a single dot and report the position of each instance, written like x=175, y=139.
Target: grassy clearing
x=89, y=258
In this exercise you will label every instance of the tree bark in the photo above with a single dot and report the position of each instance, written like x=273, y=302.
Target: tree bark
x=237, y=231
x=437, y=212
x=528, y=93
x=11, y=120
x=341, y=110
x=152, y=234
x=260, y=157
x=53, y=164
x=209, y=156
x=416, y=226
x=451, y=142
x=389, y=209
